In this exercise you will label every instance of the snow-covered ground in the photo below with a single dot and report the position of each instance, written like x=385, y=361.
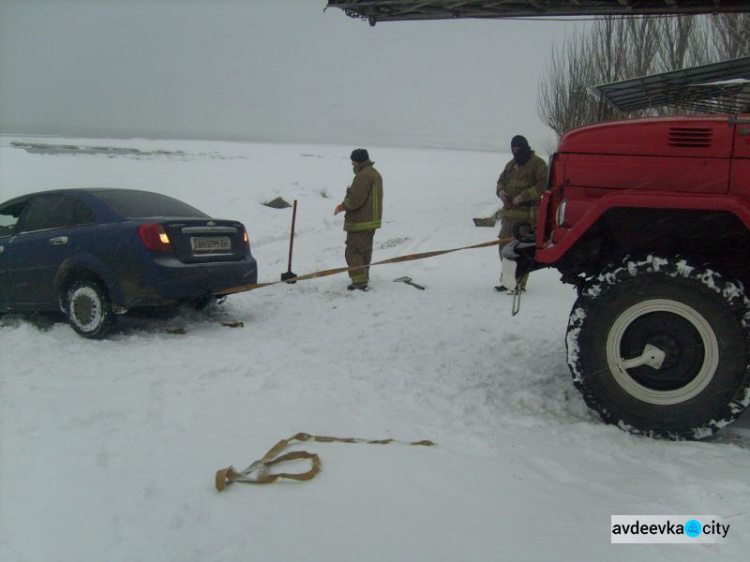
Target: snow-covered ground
x=108, y=449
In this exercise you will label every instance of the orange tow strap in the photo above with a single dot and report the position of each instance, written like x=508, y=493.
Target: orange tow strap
x=398, y=259
x=259, y=471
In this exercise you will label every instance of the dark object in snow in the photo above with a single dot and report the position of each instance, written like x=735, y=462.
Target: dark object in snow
x=277, y=203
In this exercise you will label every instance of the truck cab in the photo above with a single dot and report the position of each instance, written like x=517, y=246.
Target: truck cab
x=645, y=184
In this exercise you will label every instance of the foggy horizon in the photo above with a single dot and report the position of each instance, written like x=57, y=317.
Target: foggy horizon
x=268, y=71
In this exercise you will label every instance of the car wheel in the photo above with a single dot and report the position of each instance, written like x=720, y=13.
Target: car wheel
x=89, y=310
x=660, y=347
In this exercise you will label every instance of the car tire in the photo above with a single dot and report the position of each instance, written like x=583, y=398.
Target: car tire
x=89, y=309
x=661, y=348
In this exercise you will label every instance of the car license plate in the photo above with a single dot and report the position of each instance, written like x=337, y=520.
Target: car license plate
x=206, y=244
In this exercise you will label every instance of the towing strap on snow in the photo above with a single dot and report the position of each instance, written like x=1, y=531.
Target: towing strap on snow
x=260, y=471
x=398, y=259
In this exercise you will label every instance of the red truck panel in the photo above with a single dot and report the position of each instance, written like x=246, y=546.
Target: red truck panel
x=669, y=163
x=740, y=176
x=709, y=137
x=691, y=174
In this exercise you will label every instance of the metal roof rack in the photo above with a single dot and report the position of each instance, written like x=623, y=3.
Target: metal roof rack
x=722, y=87
x=404, y=10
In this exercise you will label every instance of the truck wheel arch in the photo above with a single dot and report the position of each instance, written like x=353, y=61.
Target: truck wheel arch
x=665, y=203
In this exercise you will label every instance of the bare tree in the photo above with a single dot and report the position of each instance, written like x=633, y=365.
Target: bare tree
x=677, y=39
x=564, y=99
x=616, y=48
x=731, y=36
x=611, y=50
x=640, y=41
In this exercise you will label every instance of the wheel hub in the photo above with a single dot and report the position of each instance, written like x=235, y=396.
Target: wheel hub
x=662, y=351
x=85, y=307
x=651, y=356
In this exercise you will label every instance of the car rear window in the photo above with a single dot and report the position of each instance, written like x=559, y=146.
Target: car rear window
x=143, y=204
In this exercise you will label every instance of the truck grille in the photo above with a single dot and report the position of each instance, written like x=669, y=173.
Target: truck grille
x=690, y=137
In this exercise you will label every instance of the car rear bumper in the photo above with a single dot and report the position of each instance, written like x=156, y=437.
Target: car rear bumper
x=167, y=281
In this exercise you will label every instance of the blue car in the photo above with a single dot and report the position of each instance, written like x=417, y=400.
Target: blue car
x=97, y=253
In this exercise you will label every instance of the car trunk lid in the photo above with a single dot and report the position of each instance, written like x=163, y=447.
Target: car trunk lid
x=201, y=240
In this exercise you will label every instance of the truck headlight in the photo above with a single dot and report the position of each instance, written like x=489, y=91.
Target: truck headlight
x=560, y=218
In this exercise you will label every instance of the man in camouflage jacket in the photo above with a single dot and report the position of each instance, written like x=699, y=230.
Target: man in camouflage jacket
x=519, y=187
x=364, y=213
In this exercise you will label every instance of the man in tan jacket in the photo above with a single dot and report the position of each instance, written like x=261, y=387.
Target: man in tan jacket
x=519, y=187
x=364, y=213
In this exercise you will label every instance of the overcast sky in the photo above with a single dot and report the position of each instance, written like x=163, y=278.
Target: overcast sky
x=267, y=70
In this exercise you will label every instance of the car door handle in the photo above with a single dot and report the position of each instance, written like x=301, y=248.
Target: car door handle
x=58, y=241
x=744, y=132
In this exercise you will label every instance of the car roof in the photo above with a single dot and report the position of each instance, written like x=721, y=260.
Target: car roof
x=74, y=190
x=86, y=189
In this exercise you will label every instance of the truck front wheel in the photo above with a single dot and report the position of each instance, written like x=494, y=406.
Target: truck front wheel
x=661, y=348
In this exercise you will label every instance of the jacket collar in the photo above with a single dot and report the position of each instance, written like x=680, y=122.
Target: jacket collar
x=362, y=165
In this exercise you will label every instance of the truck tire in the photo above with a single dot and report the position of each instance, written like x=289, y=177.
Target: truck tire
x=89, y=310
x=662, y=348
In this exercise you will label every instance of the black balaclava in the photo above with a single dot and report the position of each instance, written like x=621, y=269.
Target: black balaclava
x=524, y=154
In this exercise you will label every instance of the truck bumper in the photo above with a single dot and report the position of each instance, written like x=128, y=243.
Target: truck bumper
x=518, y=261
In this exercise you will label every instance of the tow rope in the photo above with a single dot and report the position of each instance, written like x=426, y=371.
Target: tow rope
x=398, y=259
x=259, y=472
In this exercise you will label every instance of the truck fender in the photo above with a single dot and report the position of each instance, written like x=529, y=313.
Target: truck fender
x=665, y=201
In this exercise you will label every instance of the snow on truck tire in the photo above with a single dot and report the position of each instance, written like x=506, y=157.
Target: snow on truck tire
x=662, y=348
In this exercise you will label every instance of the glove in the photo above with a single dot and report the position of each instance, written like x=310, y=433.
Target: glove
x=339, y=209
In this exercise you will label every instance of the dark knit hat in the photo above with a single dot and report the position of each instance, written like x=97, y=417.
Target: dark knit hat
x=518, y=140
x=360, y=155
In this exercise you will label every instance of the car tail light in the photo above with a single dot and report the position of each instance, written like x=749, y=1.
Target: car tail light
x=245, y=240
x=154, y=238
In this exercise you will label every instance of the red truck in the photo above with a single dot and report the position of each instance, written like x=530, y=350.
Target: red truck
x=650, y=220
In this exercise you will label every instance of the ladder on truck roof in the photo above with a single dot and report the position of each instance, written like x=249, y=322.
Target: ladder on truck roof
x=405, y=10
x=722, y=87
